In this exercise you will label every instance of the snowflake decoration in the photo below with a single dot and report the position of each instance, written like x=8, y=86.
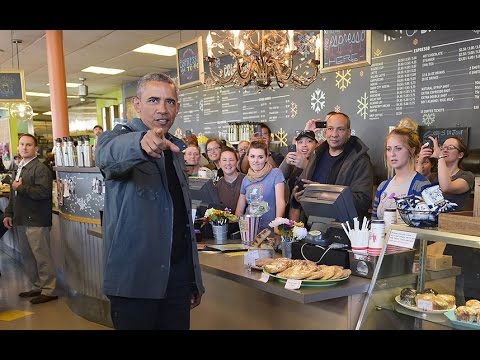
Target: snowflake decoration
x=200, y=105
x=377, y=53
x=363, y=106
x=281, y=136
x=343, y=79
x=428, y=119
x=415, y=42
x=317, y=100
x=476, y=31
x=338, y=108
x=353, y=132
x=361, y=73
x=293, y=109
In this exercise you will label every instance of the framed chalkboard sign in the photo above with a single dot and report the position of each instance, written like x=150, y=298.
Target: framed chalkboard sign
x=12, y=85
x=443, y=134
x=190, y=64
x=345, y=49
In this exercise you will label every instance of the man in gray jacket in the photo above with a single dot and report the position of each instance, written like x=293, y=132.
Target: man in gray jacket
x=30, y=211
x=152, y=273
x=341, y=160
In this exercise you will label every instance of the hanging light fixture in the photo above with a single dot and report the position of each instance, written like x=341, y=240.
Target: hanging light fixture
x=22, y=111
x=263, y=56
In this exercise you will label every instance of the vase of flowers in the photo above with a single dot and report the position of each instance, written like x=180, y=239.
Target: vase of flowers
x=289, y=231
x=219, y=220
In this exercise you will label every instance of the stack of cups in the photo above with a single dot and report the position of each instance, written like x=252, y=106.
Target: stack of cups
x=390, y=217
x=248, y=225
x=359, y=241
x=377, y=237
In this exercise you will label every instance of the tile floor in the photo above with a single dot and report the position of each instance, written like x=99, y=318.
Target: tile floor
x=18, y=313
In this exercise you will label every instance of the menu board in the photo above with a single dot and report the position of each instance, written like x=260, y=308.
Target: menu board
x=344, y=49
x=190, y=63
x=12, y=85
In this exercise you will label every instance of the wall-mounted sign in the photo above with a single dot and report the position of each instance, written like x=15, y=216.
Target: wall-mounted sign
x=190, y=63
x=12, y=85
x=443, y=134
x=345, y=49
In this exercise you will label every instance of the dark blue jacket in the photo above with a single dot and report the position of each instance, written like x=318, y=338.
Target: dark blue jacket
x=138, y=215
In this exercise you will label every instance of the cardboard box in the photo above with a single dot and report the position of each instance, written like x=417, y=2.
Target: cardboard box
x=460, y=222
x=438, y=262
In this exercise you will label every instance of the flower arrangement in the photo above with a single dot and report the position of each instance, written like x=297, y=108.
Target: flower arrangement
x=202, y=139
x=289, y=228
x=219, y=217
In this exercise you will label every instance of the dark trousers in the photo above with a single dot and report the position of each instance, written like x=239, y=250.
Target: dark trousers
x=170, y=313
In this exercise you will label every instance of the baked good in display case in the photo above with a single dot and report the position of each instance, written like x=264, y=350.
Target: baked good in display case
x=407, y=296
x=430, y=302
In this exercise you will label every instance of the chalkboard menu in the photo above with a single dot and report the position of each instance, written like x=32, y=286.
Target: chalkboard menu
x=344, y=49
x=12, y=85
x=444, y=133
x=190, y=64
x=430, y=76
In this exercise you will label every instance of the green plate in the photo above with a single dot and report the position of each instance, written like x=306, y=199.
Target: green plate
x=466, y=324
x=310, y=282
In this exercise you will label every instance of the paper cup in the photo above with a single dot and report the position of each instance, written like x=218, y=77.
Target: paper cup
x=248, y=225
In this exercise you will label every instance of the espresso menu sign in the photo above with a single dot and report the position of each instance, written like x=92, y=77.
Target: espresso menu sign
x=344, y=49
x=190, y=64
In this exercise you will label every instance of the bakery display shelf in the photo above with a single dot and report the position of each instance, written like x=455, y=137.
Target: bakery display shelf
x=376, y=299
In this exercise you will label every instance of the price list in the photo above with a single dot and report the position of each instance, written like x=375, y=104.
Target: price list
x=190, y=106
x=383, y=83
x=451, y=78
x=406, y=85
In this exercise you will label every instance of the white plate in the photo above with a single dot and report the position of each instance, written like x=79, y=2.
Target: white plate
x=414, y=308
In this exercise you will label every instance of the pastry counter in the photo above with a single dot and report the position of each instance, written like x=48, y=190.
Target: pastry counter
x=235, y=298
x=386, y=310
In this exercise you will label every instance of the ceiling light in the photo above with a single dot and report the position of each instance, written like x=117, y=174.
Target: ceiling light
x=47, y=113
x=156, y=50
x=102, y=70
x=68, y=85
x=263, y=56
x=39, y=94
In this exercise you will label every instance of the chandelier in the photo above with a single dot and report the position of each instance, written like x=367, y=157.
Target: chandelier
x=262, y=56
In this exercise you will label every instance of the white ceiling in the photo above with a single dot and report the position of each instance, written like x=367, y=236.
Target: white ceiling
x=83, y=48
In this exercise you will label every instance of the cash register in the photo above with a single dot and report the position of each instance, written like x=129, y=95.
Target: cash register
x=204, y=196
x=326, y=207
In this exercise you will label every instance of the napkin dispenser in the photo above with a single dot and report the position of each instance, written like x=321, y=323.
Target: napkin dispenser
x=393, y=264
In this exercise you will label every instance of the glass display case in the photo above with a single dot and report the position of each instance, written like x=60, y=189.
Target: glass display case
x=383, y=308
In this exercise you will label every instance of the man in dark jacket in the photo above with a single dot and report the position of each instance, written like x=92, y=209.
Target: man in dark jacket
x=30, y=211
x=341, y=160
x=152, y=274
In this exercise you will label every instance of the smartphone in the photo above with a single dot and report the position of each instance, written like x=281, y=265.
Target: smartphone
x=300, y=184
x=429, y=142
x=320, y=124
x=292, y=148
x=258, y=130
x=178, y=142
x=188, y=132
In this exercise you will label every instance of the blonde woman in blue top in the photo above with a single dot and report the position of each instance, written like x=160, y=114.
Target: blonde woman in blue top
x=401, y=148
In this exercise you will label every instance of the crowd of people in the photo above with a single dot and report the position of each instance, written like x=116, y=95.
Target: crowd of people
x=152, y=275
